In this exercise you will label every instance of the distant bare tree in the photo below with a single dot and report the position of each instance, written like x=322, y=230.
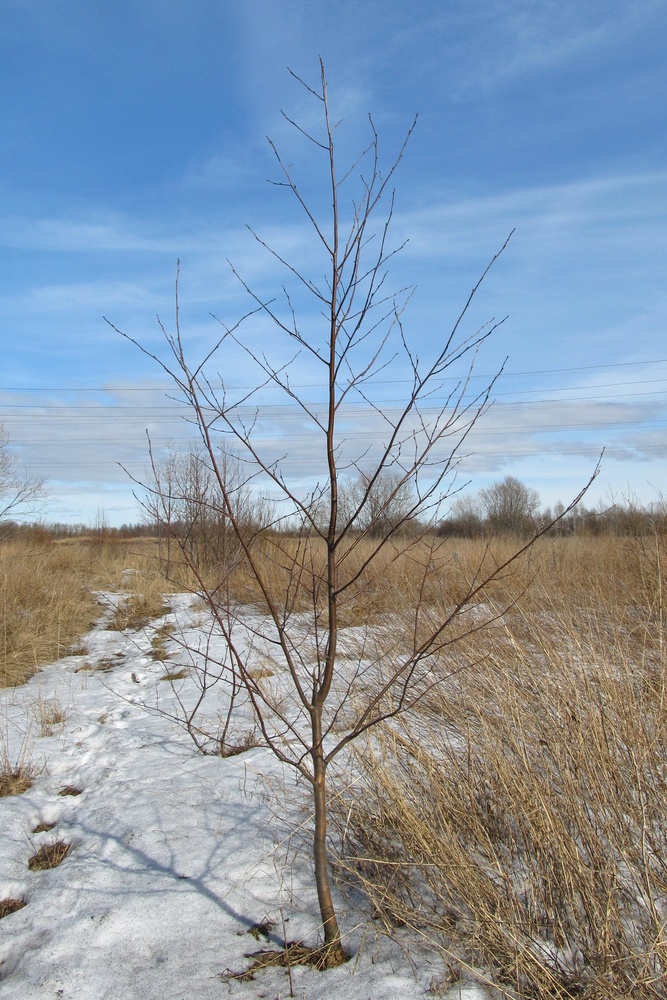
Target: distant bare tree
x=184, y=500
x=307, y=579
x=20, y=493
x=466, y=518
x=510, y=506
x=382, y=507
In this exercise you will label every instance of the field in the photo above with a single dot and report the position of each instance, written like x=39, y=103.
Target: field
x=507, y=835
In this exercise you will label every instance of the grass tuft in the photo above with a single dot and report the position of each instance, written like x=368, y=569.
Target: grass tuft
x=293, y=954
x=176, y=674
x=49, y=856
x=138, y=610
x=78, y=649
x=15, y=781
x=249, y=742
x=16, y=773
x=158, y=649
x=44, y=827
x=48, y=712
x=8, y=906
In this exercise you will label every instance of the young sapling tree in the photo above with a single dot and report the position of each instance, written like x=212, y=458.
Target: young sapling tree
x=324, y=547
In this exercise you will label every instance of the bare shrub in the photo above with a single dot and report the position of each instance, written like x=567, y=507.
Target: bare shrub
x=510, y=506
x=195, y=529
x=19, y=491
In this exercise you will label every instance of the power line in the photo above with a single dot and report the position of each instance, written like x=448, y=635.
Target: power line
x=535, y=428
x=105, y=412
x=309, y=465
x=83, y=387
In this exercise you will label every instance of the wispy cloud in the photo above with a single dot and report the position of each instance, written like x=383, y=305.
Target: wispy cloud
x=506, y=44
x=72, y=298
x=71, y=235
x=453, y=224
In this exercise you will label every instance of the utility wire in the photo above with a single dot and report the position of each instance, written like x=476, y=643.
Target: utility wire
x=82, y=387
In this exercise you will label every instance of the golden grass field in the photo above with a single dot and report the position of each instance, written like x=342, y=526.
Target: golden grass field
x=48, y=594
x=48, y=587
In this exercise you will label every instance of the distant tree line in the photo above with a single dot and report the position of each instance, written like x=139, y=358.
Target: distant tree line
x=509, y=507
x=44, y=531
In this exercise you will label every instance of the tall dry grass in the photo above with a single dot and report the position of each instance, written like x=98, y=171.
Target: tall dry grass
x=407, y=571
x=48, y=595
x=517, y=817
x=437, y=573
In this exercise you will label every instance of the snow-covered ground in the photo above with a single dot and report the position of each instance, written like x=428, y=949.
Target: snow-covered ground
x=175, y=856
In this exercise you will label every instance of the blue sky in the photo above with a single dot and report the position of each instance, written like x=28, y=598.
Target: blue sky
x=134, y=133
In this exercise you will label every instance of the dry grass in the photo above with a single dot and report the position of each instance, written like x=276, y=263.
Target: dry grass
x=47, y=596
x=177, y=674
x=48, y=712
x=8, y=906
x=44, y=607
x=16, y=774
x=49, y=856
x=517, y=817
x=438, y=572
x=293, y=571
x=292, y=955
x=47, y=590
x=15, y=781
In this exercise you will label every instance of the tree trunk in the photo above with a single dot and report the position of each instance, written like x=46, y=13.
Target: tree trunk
x=332, y=940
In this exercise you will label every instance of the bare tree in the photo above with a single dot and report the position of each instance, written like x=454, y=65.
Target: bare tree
x=381, y=507
x=20, y=493
x=510, y=506
x=338, y=546
x=465, y=518
x=185, y=502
